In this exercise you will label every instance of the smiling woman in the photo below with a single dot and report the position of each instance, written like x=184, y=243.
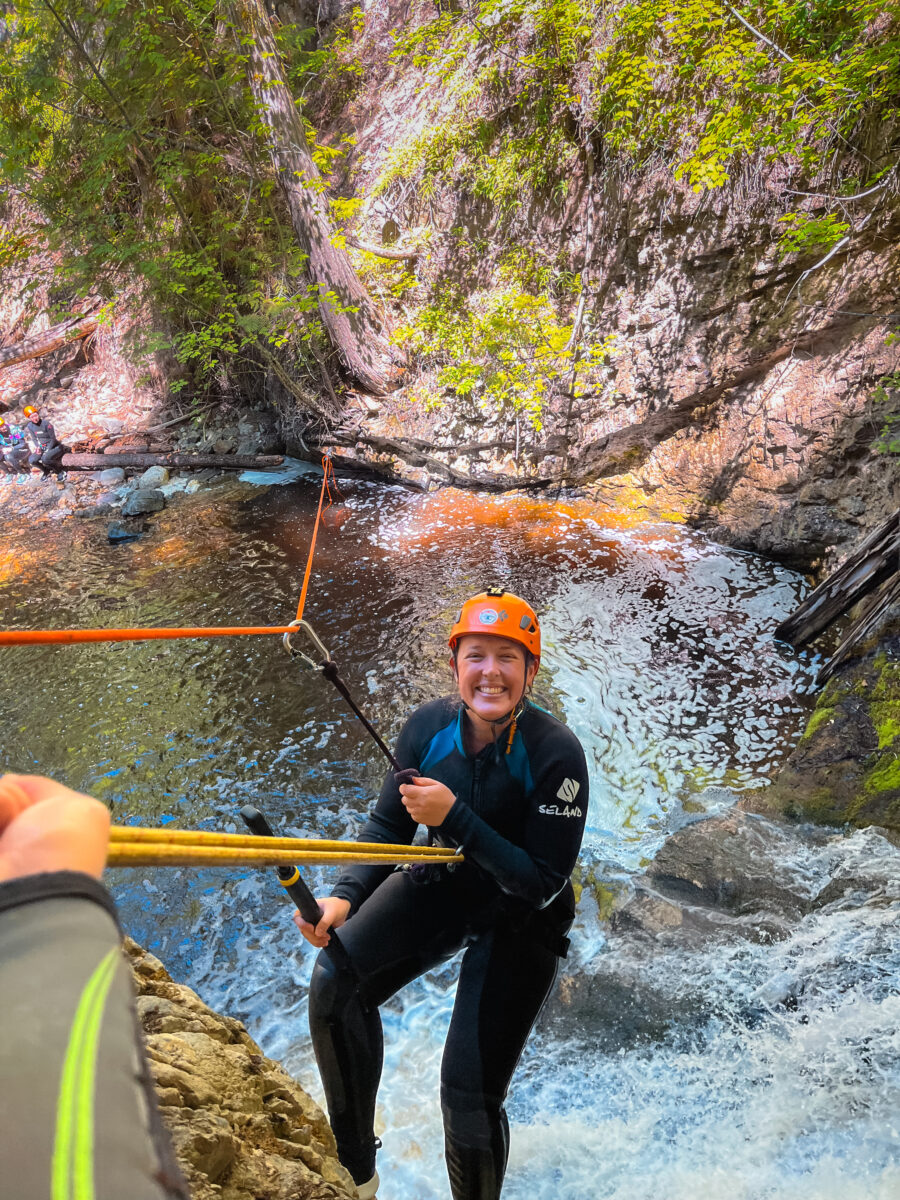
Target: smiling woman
x=496, y=652
x=491, y=766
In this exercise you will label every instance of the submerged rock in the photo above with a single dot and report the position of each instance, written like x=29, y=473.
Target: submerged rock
x=124, y=531
x=243, y=1129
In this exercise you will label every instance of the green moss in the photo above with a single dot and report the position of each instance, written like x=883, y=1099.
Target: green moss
x=886, y=719
x=830, y=696
x=887, y=685
x=885, y=776
x=820, y=805
x=821, y=714
x=606, y=895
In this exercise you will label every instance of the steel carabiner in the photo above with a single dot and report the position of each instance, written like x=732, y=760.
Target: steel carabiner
x=306, y=628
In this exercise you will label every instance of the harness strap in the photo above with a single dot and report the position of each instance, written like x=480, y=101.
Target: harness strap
x=330, y=671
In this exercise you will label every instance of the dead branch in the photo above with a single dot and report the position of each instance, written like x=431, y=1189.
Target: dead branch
x=866, y=569
x=383, y=251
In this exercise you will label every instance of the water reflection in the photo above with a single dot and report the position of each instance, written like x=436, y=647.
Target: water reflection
x=657, y=652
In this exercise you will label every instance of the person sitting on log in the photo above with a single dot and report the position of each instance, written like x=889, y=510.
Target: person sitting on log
x=13, y=450
x=46, y=449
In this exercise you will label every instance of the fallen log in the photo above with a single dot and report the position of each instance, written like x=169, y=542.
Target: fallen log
x=39, y=344
x=238, y=462
x=867, y=568
x=871, y=611
x=383, y=251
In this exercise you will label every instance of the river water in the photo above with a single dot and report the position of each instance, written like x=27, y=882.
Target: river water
x=776, y=1071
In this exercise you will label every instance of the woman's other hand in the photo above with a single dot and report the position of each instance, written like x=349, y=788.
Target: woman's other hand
x=45, y=826
x=427, y=801
x=334, y=913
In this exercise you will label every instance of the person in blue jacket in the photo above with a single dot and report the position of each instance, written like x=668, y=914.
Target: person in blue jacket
x=507, y=783
x=13, y=451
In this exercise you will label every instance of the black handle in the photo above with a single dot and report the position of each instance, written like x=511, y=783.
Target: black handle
x=296, y=889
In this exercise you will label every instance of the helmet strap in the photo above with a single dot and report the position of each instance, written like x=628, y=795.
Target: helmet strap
x=498, y=724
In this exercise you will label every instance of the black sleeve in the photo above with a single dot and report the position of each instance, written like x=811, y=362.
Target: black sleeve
x=388, y=822
x=70, y=1040
x=537, y=870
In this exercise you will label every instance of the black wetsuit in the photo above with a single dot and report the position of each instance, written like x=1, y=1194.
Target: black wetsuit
x=78, y=1114
x=519, y=816
x=46, y=449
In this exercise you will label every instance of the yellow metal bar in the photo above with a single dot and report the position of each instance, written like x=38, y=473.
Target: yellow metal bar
x=122, y=854
x=202, y=837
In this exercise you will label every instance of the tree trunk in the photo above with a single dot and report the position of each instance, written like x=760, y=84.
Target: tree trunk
x=51, y=339
x=100, y=462
x=345, y=307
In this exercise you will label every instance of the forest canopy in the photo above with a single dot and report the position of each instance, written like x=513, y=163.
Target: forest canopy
x=141, y=135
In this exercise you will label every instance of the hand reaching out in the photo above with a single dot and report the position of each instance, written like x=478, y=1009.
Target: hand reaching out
x=45, y=826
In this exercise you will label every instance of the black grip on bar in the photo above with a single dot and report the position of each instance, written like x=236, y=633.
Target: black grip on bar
x=406, y=776
x=297, y=890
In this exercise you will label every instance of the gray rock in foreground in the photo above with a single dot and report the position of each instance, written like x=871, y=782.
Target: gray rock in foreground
x=143, y=501
x=243, y=1129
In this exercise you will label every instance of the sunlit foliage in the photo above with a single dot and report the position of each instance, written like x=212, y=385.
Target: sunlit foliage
x=131, y=128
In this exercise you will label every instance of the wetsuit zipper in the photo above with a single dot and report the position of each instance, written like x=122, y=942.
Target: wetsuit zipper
x=475, y=794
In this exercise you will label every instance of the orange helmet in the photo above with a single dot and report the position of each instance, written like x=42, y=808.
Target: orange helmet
x=29, y=410
x=500, y=613
x=2, y=421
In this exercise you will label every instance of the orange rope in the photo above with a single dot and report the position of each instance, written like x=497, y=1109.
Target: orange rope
x=69, y=637
x=327, y=469
x=42, y=637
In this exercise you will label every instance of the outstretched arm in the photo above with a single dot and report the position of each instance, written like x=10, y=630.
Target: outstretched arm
x=75, y=1099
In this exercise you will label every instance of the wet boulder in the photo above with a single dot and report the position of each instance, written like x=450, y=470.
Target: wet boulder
x=144, y=500
x=721, y=895
x=738, y=864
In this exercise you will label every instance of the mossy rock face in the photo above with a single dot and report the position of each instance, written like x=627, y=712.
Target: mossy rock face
x=846, y=767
